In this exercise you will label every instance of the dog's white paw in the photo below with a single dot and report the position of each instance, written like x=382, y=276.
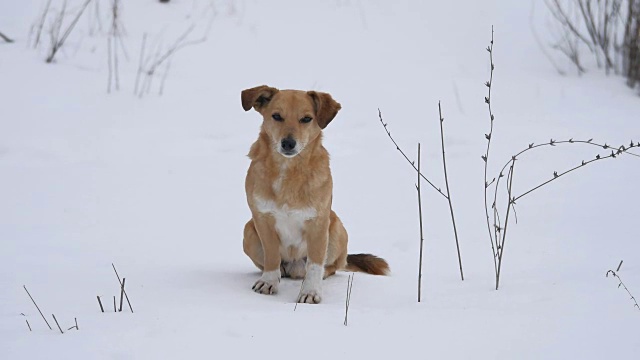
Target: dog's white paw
x=268, y=283
x=309, y=297
x=312, y=285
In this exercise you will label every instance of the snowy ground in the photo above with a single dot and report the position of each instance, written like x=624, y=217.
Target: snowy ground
x=156, y=186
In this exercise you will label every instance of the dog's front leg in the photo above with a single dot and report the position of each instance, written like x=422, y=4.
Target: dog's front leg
x=316, y=233
x=268, y=283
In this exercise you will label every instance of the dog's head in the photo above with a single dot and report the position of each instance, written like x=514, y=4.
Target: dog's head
x=291, y=118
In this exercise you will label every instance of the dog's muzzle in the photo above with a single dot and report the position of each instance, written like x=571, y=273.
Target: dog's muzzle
x=288, y=146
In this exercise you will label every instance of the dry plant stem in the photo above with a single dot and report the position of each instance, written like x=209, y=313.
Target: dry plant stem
x=115, y=309
x=6, y=38
x=112, y=47
x=28, y=324
x=140, y=63
x=299, y=293
x=37, y=307
x=614, y=153
x=406, y=157
x=446, y=196
x=619, y=265
x=109, y=65
x=486, y=159
x=74, y=326
x=619, y=150
x=632, y=298
x=421, y=233
x=506, y=222
x=56, y=320
x=164, y=76
x=162, y=56
x=100, y=302
x=41, y=24
x=122, y=293
x=348, y=298
x=122, y=286
x=59, y=41
x=446, y=182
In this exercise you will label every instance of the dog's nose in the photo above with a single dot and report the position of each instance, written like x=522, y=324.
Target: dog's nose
x=288, y=143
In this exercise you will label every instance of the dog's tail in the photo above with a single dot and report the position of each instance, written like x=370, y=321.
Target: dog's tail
x=367, y=263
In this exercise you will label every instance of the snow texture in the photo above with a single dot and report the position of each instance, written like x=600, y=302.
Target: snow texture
x=155, y=185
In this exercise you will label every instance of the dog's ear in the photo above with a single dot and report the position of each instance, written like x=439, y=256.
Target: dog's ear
x=257, y=97
x=326, y=108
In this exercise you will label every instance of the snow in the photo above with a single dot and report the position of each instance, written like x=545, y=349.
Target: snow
x=155, y=185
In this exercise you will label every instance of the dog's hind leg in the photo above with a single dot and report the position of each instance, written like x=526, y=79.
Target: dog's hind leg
x=337, y=248
x=252, y=245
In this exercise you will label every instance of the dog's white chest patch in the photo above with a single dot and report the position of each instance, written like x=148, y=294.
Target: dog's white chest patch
x=288, y=222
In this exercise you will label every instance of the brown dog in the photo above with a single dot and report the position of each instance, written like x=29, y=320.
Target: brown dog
x=293, y=231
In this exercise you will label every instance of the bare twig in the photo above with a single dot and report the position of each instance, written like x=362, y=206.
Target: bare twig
x=421, y=233
x=122, y=293
x=556, y=175
x=122, y=286
x=28, y=324
x=59, y=41
x=140, y=63
x=498, y=233
x=406, y=157
x=632, y=298
x=506, y=222
x=446, y=182
x=348, y=298
x=37, y=307
x=5, y=38
x=299, y=293
x=115, y=309
x=113, y=40
x=56, y=320
x=619, y=265
x=153, y=62
x=41, y=23
x=485, y=158
x=75, y=326
x=100, y=302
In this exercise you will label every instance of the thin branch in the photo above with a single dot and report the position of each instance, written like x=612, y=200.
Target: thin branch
x=60, y=41
x=41, y=24
x=122, y=286
x=100, y=302
x=56, y=320
x=37, y=307
x=421, y=233
x=556, y=175
x=407, y=158
x=348, y=298
x=446, y=181
x=632, y=298
x=554, y=143
x=140, y=63
x=485, y=158
x=28, y=324
x=122, y=293
x=299, y=293
x=506, y=222
x=5, y=38
x=619, y=265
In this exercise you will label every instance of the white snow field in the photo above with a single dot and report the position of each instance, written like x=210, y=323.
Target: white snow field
x=155, y=185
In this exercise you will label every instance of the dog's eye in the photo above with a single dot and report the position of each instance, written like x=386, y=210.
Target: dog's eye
x=277, y=117
x=306, y=119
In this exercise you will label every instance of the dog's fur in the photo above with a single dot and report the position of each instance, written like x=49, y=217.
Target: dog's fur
x=293, y=232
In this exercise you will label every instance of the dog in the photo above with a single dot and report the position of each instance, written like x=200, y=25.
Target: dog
x=293, y=232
